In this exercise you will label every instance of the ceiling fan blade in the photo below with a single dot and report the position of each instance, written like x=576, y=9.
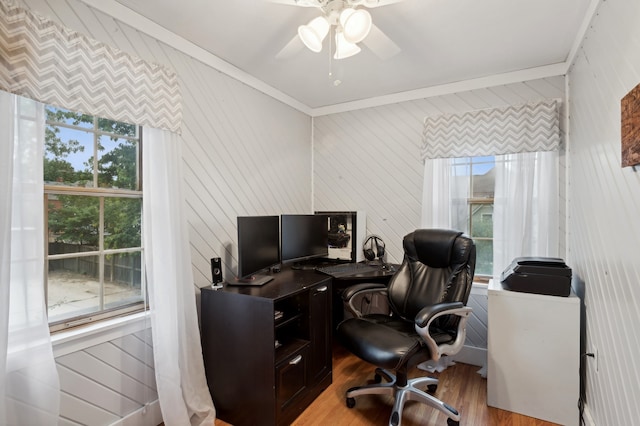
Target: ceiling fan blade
x=380, y=44
x=290, y=49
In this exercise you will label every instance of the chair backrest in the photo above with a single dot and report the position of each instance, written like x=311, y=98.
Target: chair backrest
x=438, y=266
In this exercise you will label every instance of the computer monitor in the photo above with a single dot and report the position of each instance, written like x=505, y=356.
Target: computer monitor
x=303, y=237
x=347, y=231
x=258, y=246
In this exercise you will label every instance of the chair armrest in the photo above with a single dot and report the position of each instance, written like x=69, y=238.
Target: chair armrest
x=427, y=315
x=349, y=294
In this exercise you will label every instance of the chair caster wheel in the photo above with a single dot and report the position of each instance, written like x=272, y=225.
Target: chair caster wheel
x=351, y=402
x=451, y=422
x=432, y=389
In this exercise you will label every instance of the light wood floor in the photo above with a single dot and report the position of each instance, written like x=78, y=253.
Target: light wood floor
x=460, y=386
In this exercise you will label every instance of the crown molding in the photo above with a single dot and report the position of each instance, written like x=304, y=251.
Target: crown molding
x=141, y=23
x=145, y=25
x=554, y=70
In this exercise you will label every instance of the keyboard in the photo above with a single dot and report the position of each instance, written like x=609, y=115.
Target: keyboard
x=346, y=269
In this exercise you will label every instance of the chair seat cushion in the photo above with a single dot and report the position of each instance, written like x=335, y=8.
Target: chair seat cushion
x=380, y=340
x=386, y=341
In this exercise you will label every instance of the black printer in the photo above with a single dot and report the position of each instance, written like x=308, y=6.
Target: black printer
x=540, y=275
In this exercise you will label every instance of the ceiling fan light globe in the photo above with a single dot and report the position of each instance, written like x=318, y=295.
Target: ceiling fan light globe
x=344, y=48
x=313, y=34
x=356, y=24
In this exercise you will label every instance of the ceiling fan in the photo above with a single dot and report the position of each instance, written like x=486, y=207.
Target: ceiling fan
x=350, y=23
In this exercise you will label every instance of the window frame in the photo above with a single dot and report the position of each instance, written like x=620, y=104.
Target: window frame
x=102, y=194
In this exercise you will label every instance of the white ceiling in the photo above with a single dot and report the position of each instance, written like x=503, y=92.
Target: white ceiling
x=441, y=42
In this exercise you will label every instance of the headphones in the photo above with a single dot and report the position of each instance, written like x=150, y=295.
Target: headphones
x=368, y=247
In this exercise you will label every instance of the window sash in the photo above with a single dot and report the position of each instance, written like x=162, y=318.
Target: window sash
x=103, y=311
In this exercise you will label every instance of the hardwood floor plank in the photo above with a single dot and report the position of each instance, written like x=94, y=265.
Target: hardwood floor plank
x=460, y=386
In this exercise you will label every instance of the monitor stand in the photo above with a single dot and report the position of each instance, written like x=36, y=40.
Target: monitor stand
x=252, y=280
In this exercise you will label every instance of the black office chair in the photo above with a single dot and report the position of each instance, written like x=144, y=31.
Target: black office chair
x=427, y=297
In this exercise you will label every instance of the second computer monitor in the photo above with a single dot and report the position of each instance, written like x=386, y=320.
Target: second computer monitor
x=303, y=237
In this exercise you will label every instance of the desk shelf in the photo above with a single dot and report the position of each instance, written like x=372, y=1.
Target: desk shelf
x=252, y=379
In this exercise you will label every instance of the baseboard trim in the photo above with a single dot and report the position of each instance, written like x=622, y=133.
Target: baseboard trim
x=149, y=415
x=471, y=355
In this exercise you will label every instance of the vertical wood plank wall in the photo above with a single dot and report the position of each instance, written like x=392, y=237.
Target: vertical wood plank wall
x=604, y=200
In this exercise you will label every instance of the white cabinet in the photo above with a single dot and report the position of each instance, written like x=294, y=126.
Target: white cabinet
x=533, y=354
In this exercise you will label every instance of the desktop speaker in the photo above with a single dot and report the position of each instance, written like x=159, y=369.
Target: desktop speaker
x=373, y=247
x=216, y=270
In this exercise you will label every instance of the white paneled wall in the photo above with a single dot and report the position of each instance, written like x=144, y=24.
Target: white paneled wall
x=244, y=153
x=104, y=383
x=369, y=159
x=604, y=200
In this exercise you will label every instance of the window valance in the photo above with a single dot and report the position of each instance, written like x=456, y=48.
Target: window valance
x=531, y=127
x=47, y=62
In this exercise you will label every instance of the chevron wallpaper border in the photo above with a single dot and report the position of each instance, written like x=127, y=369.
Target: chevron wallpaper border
x=47, y=62
x=531, y=127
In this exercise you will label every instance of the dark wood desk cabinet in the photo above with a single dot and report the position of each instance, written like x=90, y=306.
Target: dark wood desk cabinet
x=267, y=350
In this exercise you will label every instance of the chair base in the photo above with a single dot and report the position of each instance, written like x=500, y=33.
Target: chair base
x=402, y=394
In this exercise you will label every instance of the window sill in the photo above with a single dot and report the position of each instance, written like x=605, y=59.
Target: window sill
x=77, y=339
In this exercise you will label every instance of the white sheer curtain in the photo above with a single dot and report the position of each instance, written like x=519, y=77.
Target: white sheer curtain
x=182, y=389
x=436, y=193
x=444, y=194
x=525, y=212
x=29, y=384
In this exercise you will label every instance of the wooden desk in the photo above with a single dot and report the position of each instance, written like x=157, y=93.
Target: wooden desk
x=263, y=368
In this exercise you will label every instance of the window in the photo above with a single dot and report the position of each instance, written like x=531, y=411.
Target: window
x=93, y=218
x=473, y=181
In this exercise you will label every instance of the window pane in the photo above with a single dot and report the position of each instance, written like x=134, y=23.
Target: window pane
x=482, y=220
x=74, y=220
x=122, y=277
x=462, y=169
x=68, y=157
x=472, y=192
x=484, y=257
x=118, y=163
x=122, y=223
x=73, y=287
x=122, y=129
x=61, y=115
x=483, y=178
